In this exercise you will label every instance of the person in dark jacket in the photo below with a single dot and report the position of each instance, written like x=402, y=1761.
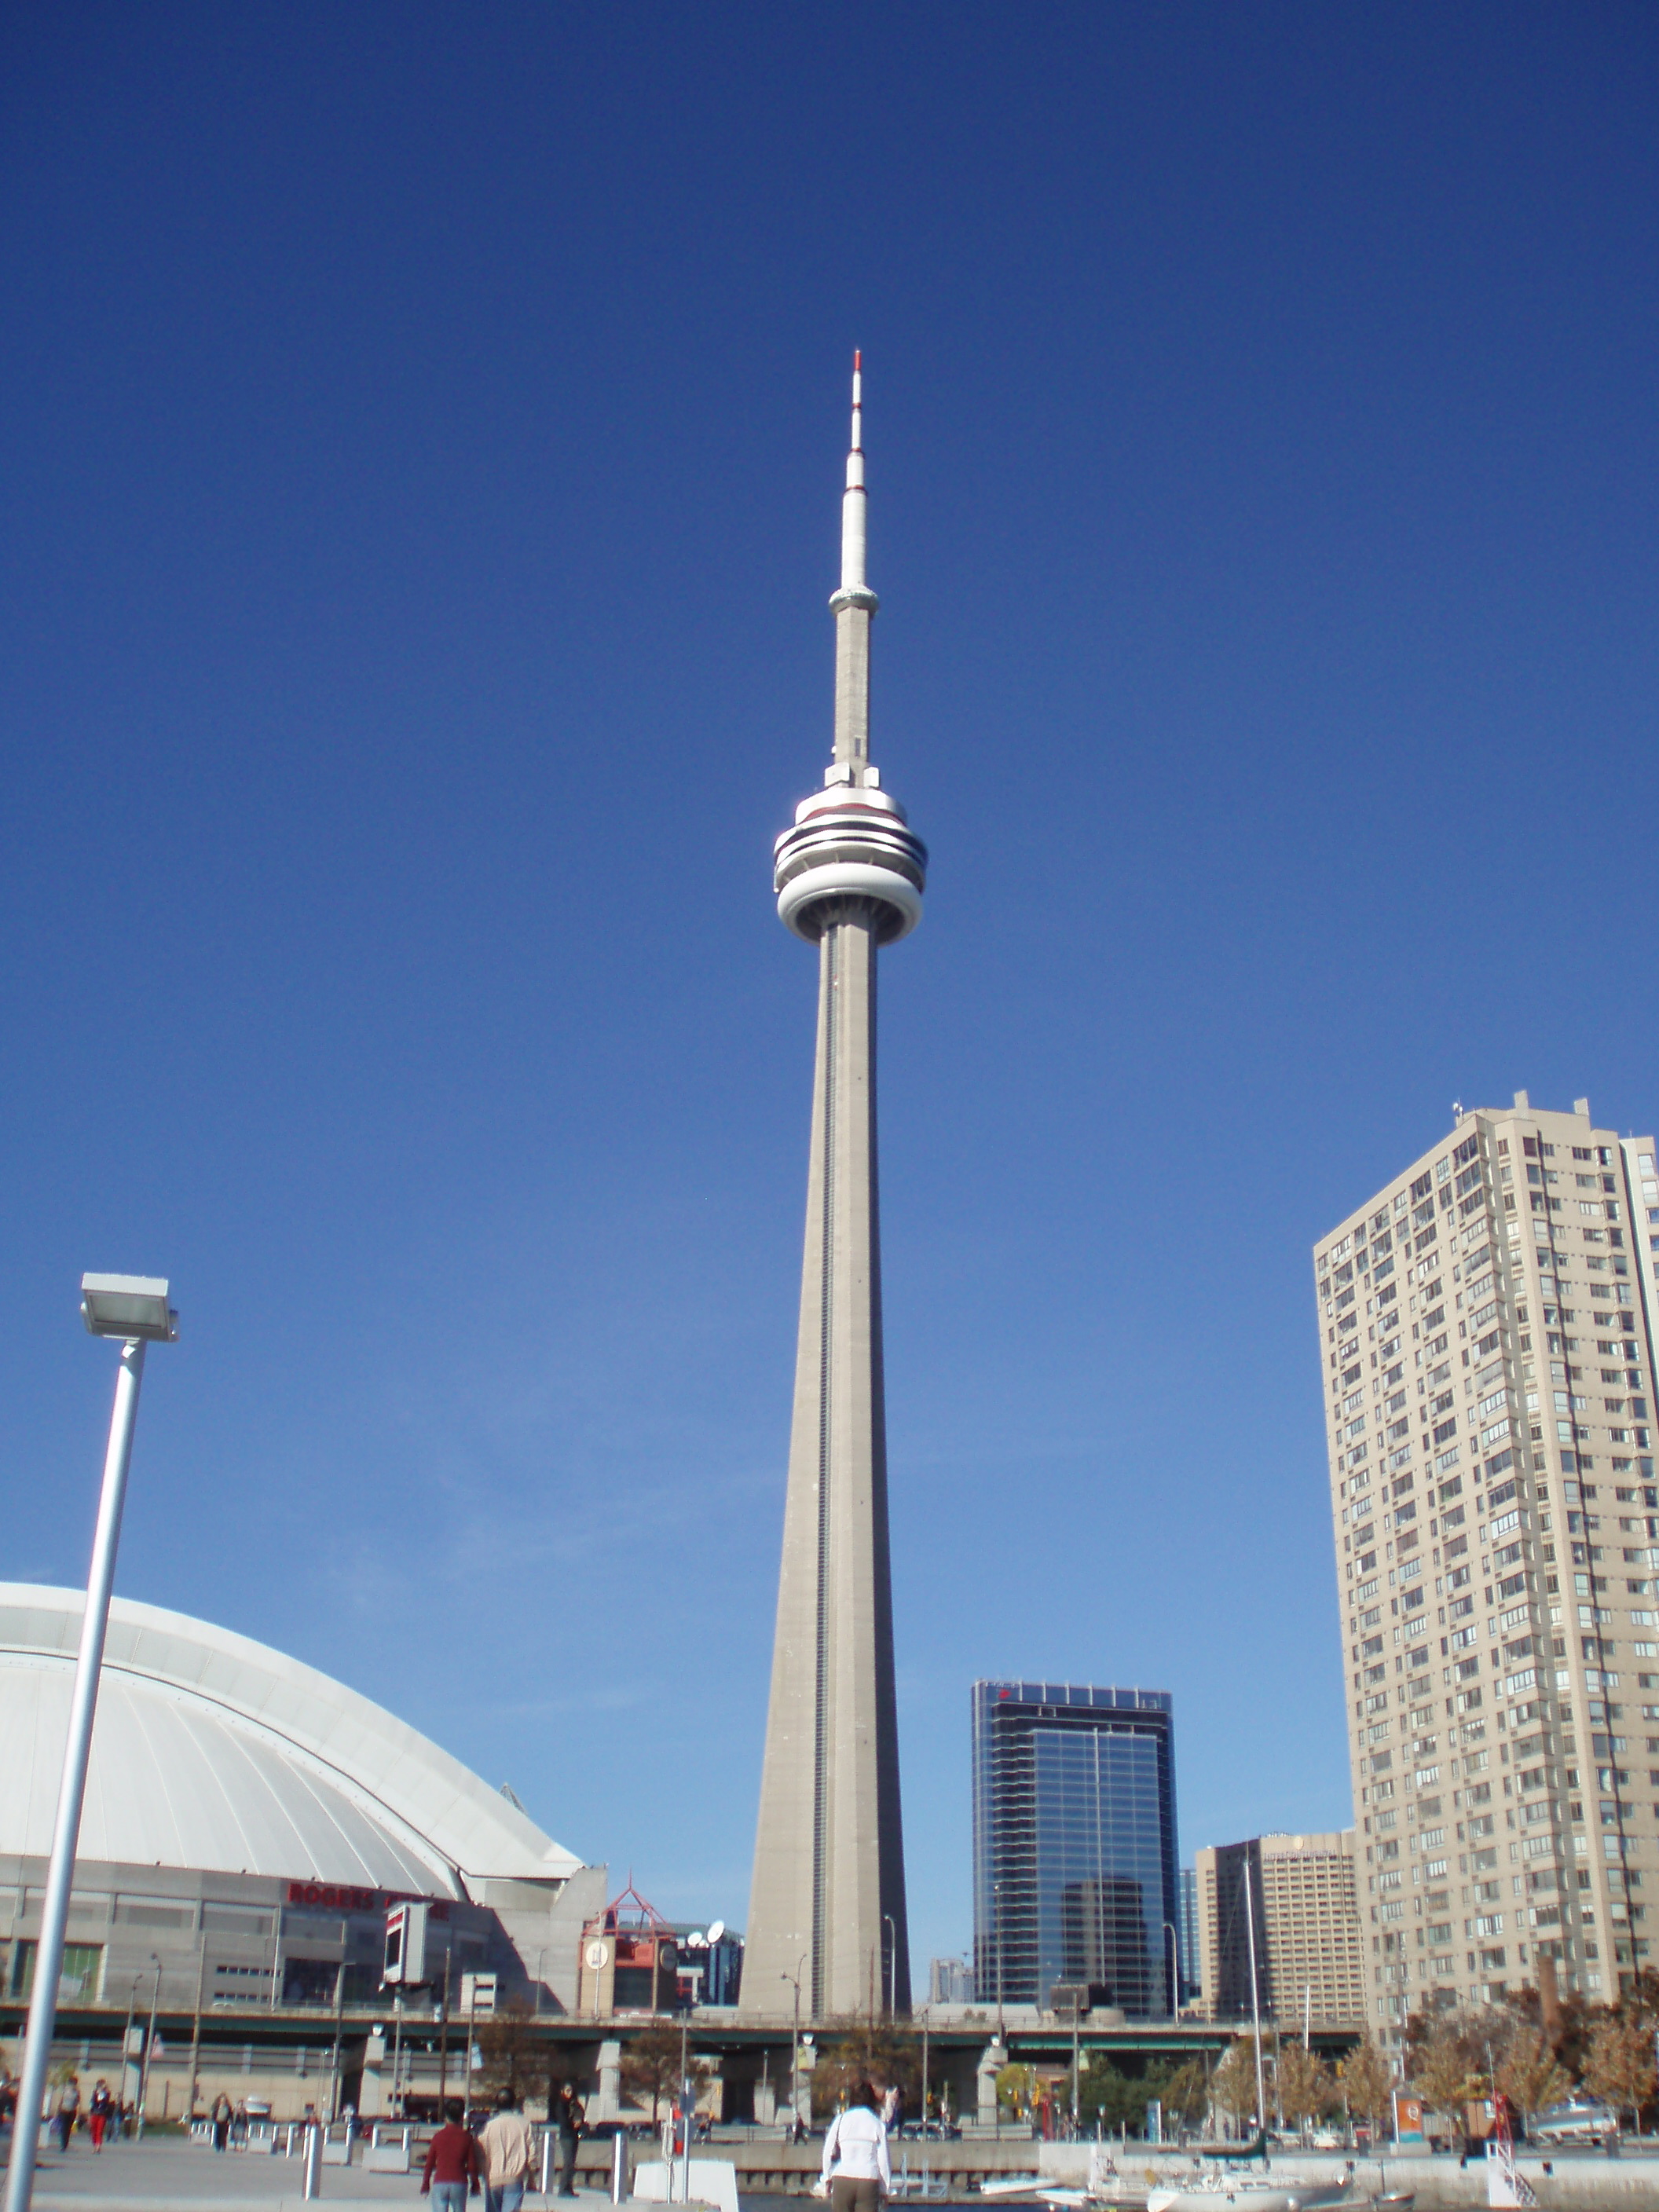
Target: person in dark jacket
x=99, y=2105
x=451, y=2161
x=567, y=2116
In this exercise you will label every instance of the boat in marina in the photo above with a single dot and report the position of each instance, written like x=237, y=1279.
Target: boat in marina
x=1250, y=2192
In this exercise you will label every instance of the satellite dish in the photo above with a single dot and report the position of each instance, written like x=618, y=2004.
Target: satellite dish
x=694, y=1941
x=716, y=1930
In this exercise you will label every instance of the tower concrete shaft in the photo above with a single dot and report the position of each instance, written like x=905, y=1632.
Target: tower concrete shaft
x=827, y=1907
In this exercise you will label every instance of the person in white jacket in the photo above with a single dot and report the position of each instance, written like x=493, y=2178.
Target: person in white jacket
x=855, y=2154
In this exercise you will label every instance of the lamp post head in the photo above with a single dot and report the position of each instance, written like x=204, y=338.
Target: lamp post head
x=132, y=1307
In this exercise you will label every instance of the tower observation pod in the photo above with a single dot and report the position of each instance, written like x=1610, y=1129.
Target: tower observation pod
x=827, y=1907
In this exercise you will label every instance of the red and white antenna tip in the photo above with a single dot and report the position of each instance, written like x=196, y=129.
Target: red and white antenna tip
x=858, y=360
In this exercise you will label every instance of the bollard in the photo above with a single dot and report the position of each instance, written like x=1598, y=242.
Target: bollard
x=619, y=2167
x=313, y=2184
x=549, y=2141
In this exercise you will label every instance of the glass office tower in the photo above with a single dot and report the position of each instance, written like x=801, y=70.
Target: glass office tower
x=1075, y=1869
x=1186, y=1929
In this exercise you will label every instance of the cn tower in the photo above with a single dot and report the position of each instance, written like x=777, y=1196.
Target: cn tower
x=826, y=1907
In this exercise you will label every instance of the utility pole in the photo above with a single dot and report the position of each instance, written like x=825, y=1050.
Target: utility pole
x=443, y=2040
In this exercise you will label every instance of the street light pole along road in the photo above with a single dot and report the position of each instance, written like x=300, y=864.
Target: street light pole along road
x=134, y=1309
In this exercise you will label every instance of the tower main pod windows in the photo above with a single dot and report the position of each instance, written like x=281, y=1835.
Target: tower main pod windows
x=1486, y=1342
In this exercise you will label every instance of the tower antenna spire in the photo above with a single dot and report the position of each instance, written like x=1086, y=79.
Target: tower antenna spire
x=853, y=500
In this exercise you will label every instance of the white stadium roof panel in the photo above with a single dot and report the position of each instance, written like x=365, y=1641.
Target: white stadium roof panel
x=215, y=1752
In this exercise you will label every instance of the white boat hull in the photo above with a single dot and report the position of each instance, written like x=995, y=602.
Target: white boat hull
x=1247, y=2193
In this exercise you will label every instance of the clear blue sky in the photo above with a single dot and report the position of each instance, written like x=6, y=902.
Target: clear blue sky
x=422, y=432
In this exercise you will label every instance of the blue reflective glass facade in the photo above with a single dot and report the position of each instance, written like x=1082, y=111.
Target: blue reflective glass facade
x=1075, y=1867
x=1186, y=1925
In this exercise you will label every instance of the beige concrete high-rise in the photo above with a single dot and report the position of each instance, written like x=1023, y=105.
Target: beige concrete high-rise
x=1304, y=1915
x=1487, y=1339
x=827, y=1903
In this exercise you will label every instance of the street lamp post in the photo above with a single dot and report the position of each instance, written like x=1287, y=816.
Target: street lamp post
x=149, y=2045
x=997, y=1916
x=1174, y=1968
x=126, y=2041
x=794, y=1981
x=133, y=1309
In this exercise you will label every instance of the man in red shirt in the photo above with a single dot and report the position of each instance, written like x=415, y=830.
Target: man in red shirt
x=452, y=2162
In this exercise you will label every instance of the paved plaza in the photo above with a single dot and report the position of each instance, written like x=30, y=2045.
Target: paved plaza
x=149, y=2176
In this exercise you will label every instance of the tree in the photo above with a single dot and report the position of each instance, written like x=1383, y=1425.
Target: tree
x=1620, y=2067
x=867, y=2050
x=1529, y=2074
x=1120, y=2100
x=1305, y=2086
x=1017, y=2088
x=514, y=2057
x=1440, y=2069
x=651, y=2067
x=1573, y=2027
x=1186, y=2094
x=1368, y=2083
x=1233, y=2085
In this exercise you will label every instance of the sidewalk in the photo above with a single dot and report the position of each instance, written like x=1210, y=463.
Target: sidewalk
x=154, y=2178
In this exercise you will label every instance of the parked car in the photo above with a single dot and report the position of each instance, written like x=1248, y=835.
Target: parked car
x=1580, y=2119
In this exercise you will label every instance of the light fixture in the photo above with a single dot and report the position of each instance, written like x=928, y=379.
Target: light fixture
x=134, y=1307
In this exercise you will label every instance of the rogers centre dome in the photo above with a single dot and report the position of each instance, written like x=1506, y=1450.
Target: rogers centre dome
x=218, y=1753
x=237, y=1798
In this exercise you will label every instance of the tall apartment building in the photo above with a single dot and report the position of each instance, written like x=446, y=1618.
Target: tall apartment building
x=1486, y=1337
x=1304, y=1909
x=1074, y=1844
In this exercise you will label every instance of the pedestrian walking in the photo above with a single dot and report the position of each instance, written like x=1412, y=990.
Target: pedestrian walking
x=99, y=2105
x=569, y=2118
x=222, y=2116
x=69, y=2111
x=855, y=2168
x=451, y=2161
x=507, y=2146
